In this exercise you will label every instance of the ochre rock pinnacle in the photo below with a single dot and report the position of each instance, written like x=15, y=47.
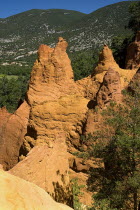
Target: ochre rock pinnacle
x=62, y=44
x=106, y=60
x=43, y=53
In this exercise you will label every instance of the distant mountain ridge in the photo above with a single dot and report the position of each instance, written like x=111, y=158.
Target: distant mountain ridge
x=21, y=34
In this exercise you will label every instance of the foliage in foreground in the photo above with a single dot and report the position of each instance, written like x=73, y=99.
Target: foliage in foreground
x=119, y=47
x=117, y=183
x=76, y=191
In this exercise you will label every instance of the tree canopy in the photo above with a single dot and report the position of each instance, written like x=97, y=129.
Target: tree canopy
x=12, y=90
x=134, y=22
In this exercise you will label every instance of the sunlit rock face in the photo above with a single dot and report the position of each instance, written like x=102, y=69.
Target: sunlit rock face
x=57, y=114
x=57, y=104
x=17, y=193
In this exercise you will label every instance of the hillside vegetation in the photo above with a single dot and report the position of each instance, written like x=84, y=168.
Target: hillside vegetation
x=21, y=34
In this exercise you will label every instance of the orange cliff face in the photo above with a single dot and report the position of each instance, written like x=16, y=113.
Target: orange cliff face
x=47, y=127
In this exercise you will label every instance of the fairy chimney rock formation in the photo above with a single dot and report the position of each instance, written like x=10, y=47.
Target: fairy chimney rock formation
x=106, y=60
x=56, y=102
x=52, y=74
x=57, y=66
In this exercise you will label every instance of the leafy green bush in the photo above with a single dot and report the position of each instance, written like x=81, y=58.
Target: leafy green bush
x=76, y=193
x=119, y=47
x=83, y=63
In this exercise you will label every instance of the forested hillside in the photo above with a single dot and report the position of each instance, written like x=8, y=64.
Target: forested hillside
x=21, y=34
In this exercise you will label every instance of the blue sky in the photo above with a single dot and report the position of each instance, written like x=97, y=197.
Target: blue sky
x=11, y=7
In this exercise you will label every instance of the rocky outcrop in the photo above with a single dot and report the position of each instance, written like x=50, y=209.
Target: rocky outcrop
x=16, y=193
x=57, y=114
x=57, y=105
x=13, y=128
x=106, y=61
x=57, y=111
x=89, y=86
x=52, y=75
x=56, y=102
x=133, y=54
x=103, y=86
x=109, y=91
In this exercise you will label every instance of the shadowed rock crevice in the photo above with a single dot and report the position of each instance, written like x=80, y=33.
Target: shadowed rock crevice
x=91, y=104
x=31, y=132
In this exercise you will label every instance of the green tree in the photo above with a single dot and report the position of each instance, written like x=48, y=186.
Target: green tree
x=134, y=22
x=76, y=193
x=117, y=182
x=119, y=46
x=83, y=63
x=12, y=91
x=120, y=43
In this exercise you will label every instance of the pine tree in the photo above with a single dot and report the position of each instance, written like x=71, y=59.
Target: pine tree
x=118, y=183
